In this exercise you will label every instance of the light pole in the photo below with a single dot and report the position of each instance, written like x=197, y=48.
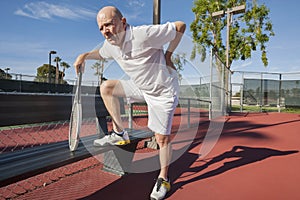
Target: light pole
x=230, y=12
x=49, y=67
x=156, y=11
x=152, y=144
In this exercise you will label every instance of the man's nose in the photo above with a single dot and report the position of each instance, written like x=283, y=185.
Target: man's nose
x=105, y=29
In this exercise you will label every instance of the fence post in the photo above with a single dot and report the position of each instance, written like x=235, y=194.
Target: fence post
x=261, y=91
x=279, y=95
x=242, y=93
x=209, y=110
x=130, y=115
x=189, y=114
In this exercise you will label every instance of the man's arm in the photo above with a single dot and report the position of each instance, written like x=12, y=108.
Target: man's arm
x=80, y=61
x=180, y=28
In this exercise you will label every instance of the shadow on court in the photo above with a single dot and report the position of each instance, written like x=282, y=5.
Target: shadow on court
x=139, y=186
x=244, y=156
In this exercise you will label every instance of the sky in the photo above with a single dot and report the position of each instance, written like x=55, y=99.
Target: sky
x=32, y=28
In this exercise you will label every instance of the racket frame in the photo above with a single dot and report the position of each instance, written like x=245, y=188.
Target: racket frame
x=76, y=107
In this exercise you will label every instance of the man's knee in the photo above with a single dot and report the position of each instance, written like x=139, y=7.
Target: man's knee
x=162, y=140
x=107, y=87
x=111, y=88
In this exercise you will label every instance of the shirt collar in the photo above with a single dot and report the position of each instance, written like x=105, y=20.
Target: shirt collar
x=128, y=34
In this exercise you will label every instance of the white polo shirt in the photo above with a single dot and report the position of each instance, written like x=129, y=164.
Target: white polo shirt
x=142, y=58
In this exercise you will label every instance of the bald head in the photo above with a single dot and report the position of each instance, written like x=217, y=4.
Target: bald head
x=109, y=12
x=112, y=24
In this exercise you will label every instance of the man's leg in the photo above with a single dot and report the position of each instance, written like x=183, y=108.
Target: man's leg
x=161, y=111
x=110, y=91
x=162, y=185
x=165, y=154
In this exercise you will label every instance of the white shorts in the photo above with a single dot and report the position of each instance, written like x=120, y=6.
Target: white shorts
x=160, y=108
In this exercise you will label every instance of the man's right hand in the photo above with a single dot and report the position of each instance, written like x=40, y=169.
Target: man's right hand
x=80, y=63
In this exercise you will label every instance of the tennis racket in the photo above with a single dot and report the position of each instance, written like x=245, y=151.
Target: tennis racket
x=76, y=116
x=99, y=130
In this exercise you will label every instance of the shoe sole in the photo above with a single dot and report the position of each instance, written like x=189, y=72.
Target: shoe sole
x=151, y=198
x=119, y=143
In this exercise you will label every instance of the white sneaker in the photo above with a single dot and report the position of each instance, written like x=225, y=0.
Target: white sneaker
x=113, y=139
x=160, y=189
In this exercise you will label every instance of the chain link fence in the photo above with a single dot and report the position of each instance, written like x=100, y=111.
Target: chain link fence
x=261, y=91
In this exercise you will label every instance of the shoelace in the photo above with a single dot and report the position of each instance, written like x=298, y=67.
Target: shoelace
x=159, y=183
x=115, y=133
x=111, y=134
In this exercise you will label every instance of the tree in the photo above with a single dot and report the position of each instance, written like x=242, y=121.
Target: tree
x=252, y=30
x=2, y=74
x=57, y=60
x=43, y=73
x=5, y=75
x=179, y=60
x=99, y=67
x=65, y=66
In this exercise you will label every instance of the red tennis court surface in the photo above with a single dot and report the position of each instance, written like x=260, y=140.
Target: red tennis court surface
x=256, y=157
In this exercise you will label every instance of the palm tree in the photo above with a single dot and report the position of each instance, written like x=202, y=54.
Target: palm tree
x=57, y=60
x=65, y=66
x=99, y=67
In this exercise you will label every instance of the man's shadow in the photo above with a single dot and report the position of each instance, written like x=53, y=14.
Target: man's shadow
x=245, y=155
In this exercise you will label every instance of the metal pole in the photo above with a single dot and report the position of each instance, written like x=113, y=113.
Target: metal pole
x=230, y=12
x=49, y=67
x=156, y=20
x=210, y=83
x=242, y=93
x=227, y=37
x=226, y=70
x=261, y=91
x=156, y=11
x=189, y=113
x=230, y=92
x=222, y=89
x=20, y=82
x=279, y=95
x=130, y=115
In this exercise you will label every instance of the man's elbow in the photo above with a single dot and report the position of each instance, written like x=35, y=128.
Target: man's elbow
x=180, y=26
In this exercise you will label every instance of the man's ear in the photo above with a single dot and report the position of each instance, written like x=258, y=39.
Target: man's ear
x=123, y=20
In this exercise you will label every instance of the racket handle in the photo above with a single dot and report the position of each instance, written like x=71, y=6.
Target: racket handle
x=80, y=68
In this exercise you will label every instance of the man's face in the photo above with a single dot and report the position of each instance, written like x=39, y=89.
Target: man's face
x=112, y=28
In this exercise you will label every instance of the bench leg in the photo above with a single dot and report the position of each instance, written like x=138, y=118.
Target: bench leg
x=118, y=160
x=101, y=126
x=152, y=144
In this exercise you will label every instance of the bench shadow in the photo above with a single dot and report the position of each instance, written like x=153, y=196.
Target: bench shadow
x=244, y=155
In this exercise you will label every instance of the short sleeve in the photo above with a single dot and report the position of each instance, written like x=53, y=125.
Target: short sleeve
x=159, y=35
